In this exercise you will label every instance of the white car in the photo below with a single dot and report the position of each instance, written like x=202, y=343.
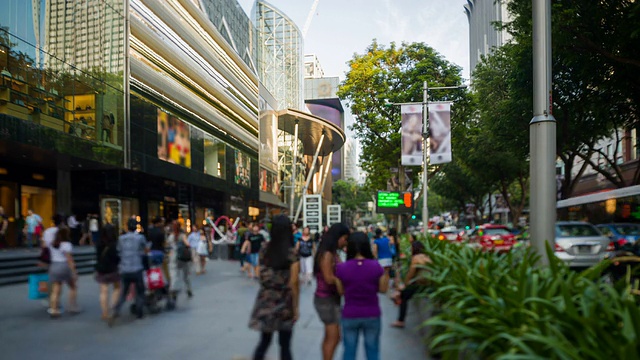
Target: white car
x=580, y=244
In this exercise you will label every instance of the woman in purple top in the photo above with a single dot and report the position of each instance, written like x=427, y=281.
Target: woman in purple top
x=326, y=299
x=360, y=279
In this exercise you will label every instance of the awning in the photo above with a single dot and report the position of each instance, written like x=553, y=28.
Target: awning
x=310, y=128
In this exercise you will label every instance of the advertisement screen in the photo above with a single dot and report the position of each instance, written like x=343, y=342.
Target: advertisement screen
x=174, y=139
x=243, y=169
x=335, y=117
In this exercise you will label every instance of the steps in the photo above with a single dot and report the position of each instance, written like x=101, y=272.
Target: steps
x=17, y=265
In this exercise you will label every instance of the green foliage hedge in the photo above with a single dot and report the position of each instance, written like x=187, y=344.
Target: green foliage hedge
x=505, y=307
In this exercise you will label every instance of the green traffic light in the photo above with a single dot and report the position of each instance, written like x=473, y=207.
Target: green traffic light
x=413, y=217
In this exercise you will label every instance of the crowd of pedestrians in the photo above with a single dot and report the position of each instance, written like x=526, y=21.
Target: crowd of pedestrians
x=350, y=269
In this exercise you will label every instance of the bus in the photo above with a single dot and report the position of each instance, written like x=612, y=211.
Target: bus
x=609, y=206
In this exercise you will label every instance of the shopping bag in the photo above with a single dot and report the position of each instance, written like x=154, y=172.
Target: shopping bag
x=154, y=279
x=38, y=286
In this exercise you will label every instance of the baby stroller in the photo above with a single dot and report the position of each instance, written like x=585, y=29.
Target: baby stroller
x=157, y=289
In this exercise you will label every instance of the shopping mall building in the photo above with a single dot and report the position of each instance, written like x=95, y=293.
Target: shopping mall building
x=147, y=107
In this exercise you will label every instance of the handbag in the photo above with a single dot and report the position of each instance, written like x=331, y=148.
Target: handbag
x=38, y=286
x=45, y=255
x=154, y=279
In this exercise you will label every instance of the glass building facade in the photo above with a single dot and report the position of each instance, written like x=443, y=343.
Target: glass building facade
x=154, y=116
x=280, y=55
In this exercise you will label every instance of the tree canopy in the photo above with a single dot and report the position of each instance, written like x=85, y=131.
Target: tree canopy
x=380, y=77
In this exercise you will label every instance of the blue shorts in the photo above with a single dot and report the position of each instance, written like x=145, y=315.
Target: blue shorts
x=253, y=259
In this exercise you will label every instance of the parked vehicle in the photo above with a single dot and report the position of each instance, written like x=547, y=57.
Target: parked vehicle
x=580, y=244
x=493, y=237
x=620, y=233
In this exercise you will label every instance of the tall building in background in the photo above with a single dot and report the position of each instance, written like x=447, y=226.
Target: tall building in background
x=280, y=55
x=483, y=35
x=351, y=159
x=85, y=33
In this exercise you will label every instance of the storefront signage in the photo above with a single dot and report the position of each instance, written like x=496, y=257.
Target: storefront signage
x=312, y=212
x=394, y=202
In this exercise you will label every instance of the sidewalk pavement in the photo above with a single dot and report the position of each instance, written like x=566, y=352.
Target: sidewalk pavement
x=211, y=325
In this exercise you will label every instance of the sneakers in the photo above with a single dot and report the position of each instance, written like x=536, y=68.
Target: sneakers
x=189, y=293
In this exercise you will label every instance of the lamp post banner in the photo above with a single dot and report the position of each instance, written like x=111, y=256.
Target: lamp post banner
x=411, y=135
x=440, y=133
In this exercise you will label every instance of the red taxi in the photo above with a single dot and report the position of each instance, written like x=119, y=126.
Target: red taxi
x=493, y=237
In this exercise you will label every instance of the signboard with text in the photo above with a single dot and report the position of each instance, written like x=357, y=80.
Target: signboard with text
x=394, y=202
x=312, y=211
x=334, y=214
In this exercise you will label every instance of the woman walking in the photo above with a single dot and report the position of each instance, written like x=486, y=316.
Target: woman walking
x=382, y=249
x=361, y=278
x=412, y=280
x=305, y=248
x=179, y=259
x=62, y=270
x=326, y=298
x=276, y=306
x=107, y=273
x=203, y=251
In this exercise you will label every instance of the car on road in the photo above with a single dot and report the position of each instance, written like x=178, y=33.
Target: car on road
x=492, y=237
x=451, y=233
x=620, y=233
x=580, y=244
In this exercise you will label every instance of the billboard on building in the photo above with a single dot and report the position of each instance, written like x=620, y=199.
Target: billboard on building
x=440, y=133
x=411, y=135
x=268, y=135
x=174, y=139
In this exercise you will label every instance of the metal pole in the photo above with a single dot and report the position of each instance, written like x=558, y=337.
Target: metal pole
x=327, y=168
x=542, y=135
x=425, y=158
x=312, y=170
x=294, y=166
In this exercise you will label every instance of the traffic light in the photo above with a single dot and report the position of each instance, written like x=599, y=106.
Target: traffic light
x=413, y=217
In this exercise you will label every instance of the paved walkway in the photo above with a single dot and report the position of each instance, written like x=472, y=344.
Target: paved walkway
x=212, y=325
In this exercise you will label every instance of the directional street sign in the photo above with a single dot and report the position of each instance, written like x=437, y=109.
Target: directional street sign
x=312, y=212
x=334, y=214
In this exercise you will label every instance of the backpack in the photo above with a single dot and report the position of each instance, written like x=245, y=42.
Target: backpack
x=306, y=248
x=183, y=252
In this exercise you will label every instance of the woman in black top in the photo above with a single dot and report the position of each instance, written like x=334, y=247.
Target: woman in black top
x=107, y=268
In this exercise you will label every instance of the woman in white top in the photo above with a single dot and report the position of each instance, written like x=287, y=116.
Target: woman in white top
x=62, y=269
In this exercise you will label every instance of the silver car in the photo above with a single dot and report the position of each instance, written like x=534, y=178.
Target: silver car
x=580, y=244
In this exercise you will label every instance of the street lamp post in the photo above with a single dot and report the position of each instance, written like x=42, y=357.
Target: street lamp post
x=425, y=137
x=425, y=158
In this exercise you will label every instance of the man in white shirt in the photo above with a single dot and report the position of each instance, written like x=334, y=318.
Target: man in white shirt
x=74, y=226
x=194, y=239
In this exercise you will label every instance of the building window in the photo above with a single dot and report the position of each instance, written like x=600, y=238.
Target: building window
x=214, y=157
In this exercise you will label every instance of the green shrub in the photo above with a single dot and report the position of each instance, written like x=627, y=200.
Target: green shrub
x=505, y=307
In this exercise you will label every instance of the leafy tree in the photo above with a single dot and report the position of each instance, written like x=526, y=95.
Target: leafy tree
x=351, y=196
x=384, y=75
x=596, y=77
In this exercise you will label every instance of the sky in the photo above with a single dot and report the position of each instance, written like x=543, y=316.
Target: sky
x=341, y=28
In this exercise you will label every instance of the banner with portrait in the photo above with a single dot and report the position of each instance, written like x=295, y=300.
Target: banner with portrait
x=439, y=133
x=174, y=139
x=411, y=116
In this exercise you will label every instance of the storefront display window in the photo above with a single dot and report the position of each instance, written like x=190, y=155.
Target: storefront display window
x=118, y=210
x=243, y=169
x=269, y=182
x=214, y=156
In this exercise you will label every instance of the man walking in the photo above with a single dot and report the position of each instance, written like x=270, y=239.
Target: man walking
x=131, y=247
x=194, y=239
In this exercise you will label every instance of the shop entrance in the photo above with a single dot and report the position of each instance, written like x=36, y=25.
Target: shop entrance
x=40, y=200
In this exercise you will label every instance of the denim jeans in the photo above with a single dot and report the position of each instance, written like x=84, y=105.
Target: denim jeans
x=128, y=279
x=370, y=328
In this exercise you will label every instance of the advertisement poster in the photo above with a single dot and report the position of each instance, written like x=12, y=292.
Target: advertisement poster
x=268, y=136
x=174, y=140
x=440, y=133
x=411, y=135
